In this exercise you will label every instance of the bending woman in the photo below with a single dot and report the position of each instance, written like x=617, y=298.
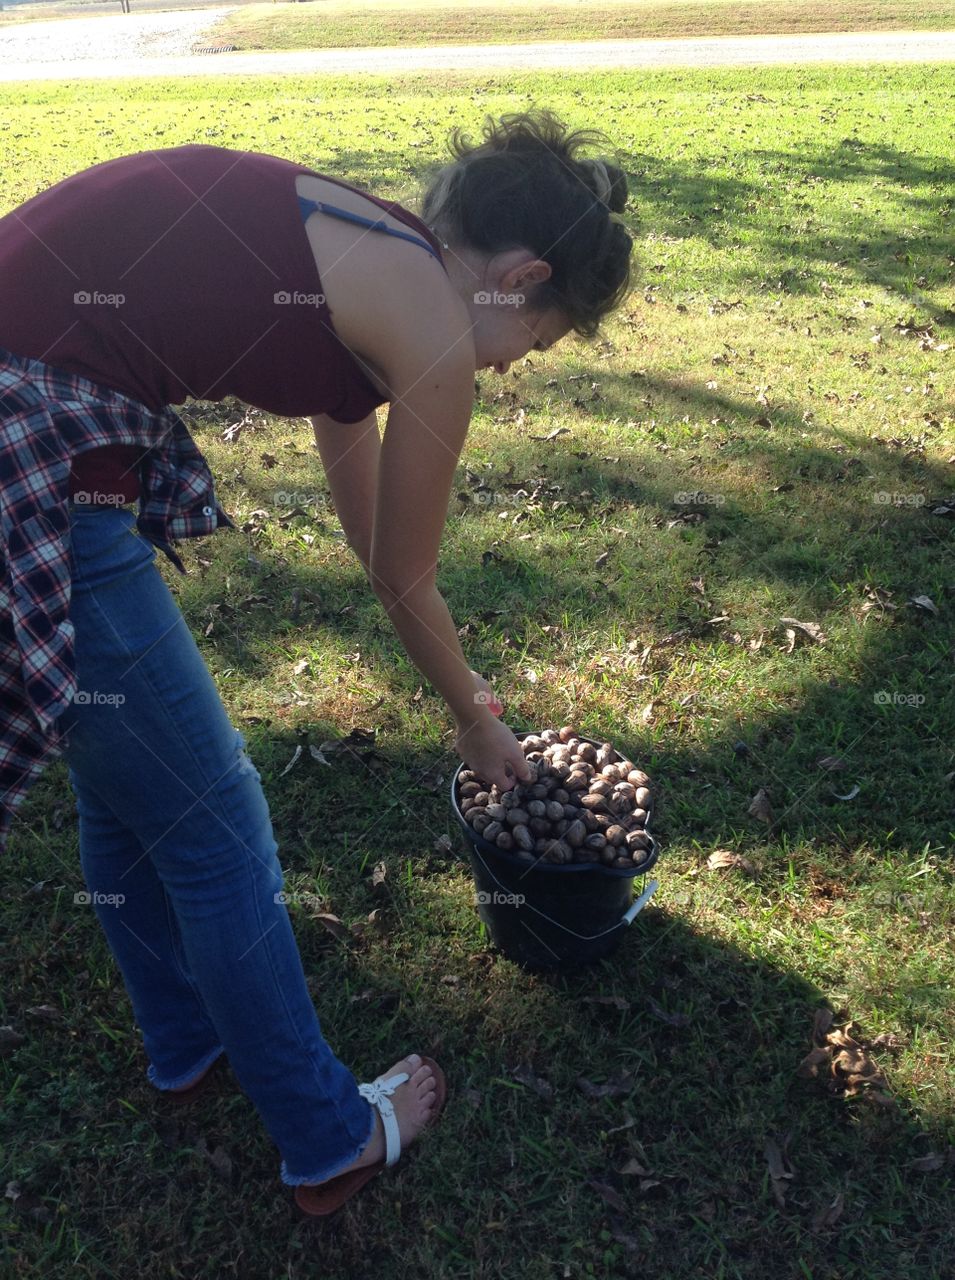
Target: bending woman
x=202, y=272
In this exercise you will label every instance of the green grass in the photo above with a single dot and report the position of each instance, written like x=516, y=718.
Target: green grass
x=343, y=23
x=784, y=219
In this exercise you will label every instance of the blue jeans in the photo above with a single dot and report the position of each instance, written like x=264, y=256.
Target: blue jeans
x=180, y=862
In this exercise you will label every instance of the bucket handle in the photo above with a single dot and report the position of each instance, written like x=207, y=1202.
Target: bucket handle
x=628, y=917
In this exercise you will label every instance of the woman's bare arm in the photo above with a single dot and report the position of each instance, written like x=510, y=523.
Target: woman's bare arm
x=350, y=453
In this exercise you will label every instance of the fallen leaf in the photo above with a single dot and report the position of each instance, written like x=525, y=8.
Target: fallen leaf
x=925, y=603
x=612, y=1197
x=292, y=762
x=378, y=875
x=334, y=925
x=443, y=844
x=558, y=431
x=27, y=1203
x=761, y=807
x=611, y=1089
x=850, y=795
x=9, y=1040
x=934, y=1161
x=525, y=1076
x=218, y=1158
x=616, y=1002
x=829, y=1215
x=832, y=763
x=726, y=860
x=45, y=1012
x=822, y=1021
x=779, y=1176
x=671, y=1019
x=811, y=630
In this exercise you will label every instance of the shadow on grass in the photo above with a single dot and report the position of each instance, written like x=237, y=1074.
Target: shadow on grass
x=695, y=1041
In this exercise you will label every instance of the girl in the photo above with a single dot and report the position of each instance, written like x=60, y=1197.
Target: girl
x=206, y=272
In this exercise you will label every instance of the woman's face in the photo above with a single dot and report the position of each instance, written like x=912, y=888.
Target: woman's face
x=504, y=326
x=509, y=332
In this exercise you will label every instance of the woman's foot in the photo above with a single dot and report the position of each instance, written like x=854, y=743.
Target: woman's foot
x=414, y=1103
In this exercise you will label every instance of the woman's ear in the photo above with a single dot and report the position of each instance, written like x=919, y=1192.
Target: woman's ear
x=527, y=271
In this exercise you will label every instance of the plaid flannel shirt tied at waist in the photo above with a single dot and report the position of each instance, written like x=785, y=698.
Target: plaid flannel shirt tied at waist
x=47, y=418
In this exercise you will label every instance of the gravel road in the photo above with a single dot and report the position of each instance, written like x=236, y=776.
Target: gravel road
x=160, y=45
x=126, y=39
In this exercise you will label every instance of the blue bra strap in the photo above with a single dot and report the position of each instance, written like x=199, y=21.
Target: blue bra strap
x=309, y=206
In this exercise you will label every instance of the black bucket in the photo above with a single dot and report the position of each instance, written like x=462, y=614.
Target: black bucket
x=545, y=915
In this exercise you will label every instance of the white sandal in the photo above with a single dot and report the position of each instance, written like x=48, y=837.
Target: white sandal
x=328, y=1197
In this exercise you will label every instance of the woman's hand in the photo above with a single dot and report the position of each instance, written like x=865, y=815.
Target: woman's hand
x=489, y=748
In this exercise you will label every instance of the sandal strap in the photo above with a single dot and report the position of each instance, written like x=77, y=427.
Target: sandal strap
x=378, y=1093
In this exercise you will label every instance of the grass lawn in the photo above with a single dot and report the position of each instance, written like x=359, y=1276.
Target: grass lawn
x=345, y=23
x=765, y=431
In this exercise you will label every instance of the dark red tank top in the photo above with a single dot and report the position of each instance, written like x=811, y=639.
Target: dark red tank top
x=182, y=273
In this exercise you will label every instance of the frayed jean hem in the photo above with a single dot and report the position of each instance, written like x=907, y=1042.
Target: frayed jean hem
x=329, y=1171
x=187, y=1076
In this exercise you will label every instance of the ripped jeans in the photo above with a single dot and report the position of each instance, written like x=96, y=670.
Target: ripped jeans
x=179, y=858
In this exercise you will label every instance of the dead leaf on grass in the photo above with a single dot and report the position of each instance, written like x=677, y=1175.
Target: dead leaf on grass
x=218, y=1158
x=27, y=1203
x=610, y=1089
x=334, y=925
x=807, y=630
x=925, y=604
x=45, y=1012
x=761, y=807
x=934, y=1161
x=727, y=860
x=612, y=1197
x=525, y=1076
x=671, y=1019
x=780, y=1175
x=9, y=1040
x=834, y=764
x=829, y=1214
x=616, y=1002
x=552, y=435
x=843, y=1062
